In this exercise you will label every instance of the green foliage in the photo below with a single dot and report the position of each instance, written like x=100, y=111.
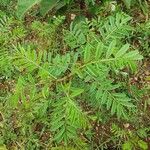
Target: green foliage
x=96, y=55
x=9, y=33
x=64, y=84
x=23, y=6
x=130, y=139
x=4, y=2
x=99, y=54
x=45, y=5
x=143, y=33
x=127, y=3
x=65, y=126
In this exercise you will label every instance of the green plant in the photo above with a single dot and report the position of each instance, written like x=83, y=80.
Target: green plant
x=11, y=31
x=4, y=2
x=130, y=139
x=45, y=5
x=63, y=85
x=46, y=33
x=143, y=32
x=47, y=81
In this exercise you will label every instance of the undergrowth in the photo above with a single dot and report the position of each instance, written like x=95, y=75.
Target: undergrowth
x=70, y=83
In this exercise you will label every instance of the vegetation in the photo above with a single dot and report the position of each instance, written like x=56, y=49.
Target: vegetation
x=74, y=74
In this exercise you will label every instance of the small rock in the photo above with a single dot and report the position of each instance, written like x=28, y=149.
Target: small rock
x=126, y=125
x=73, y=16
